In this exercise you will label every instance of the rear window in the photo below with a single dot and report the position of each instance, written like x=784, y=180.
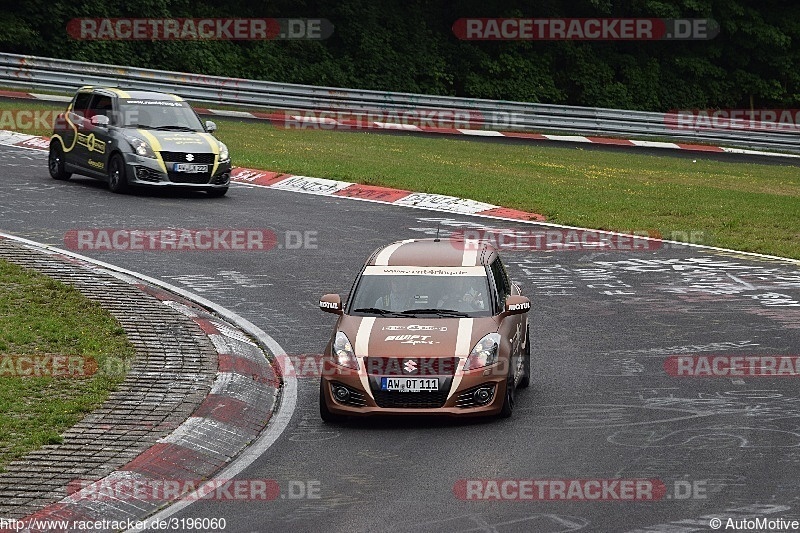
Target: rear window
x=100, y=105
x=501, y=282
x=81, y=103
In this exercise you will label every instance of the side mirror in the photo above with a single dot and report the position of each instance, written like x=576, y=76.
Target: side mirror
x=516, y=305
x=100, y=120
x=211, y=127
x=331, y=303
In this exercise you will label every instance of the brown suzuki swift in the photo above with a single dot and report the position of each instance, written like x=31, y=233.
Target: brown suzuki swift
x=431, y=327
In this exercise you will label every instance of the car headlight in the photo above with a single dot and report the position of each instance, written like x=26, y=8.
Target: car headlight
x=223, y=152
x=343, y=351
x=484, y=353
x=141, y=147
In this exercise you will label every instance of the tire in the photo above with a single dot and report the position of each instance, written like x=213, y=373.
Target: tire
x=117, y=181
x=508, y=401
x=525, y=381
x=324, y=413
x=55, y=162
x=217, y=193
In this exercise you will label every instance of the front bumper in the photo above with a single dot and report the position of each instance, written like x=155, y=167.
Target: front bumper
x=144, y=171
x=367, y=399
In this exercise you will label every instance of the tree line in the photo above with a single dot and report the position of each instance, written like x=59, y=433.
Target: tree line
x=410, y=46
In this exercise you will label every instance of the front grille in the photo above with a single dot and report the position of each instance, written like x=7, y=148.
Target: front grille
x=180, y=157
x=411, y=400
x=467, y=398
x=200, y=178
x=356, y=398
x=422, y=366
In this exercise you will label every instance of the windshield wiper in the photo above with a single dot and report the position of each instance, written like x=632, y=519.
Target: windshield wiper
x=435, y=311
x=377, y=311
x=174, y=128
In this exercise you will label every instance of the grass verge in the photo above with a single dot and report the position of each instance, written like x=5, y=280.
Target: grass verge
x=39, y=317
x=744, y=206
x=749, y=207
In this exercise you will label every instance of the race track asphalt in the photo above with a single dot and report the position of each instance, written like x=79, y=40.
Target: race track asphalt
x=601, y=405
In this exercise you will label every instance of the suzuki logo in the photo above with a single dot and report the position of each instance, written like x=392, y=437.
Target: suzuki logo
x=190, y=157
x=410, y=365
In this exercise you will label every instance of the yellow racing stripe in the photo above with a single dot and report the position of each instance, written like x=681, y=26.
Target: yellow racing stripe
x=74, y=132
x=119, y=92
x=212, y=142
x=155, y=145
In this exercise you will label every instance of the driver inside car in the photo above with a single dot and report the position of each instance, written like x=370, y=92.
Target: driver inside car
x=464, y=297
x=397, y=298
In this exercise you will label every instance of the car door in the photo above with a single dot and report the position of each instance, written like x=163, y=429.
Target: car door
x=523, y=318
x=520, y=320
x=94, y=139
x=513, y=326
x=74, y=117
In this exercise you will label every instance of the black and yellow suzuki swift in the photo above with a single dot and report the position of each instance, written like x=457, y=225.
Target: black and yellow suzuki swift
x=138, y=138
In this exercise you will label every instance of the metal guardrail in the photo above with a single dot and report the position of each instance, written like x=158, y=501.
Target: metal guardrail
x=58, y=74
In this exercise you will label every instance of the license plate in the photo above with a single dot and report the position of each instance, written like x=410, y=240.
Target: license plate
x=409, y=384
x=190, y=168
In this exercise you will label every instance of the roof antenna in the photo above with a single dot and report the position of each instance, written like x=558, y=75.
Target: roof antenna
x=438, y=225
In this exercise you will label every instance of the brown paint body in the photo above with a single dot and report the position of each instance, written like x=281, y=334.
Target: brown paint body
x=431, y=347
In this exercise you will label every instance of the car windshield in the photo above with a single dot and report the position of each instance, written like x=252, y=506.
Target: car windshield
x=167, y=115
x=420, y=295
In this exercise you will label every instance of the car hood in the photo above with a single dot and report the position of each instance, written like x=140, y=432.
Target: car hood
x=178, y=141
x=415, y=337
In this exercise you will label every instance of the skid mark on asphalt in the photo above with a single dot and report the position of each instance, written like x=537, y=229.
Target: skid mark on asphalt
x=717, y=436
x=591, y=416
x=223, y=280
x=665, y=351
x=544, y=523
x=764, y=405
x=310, y=428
